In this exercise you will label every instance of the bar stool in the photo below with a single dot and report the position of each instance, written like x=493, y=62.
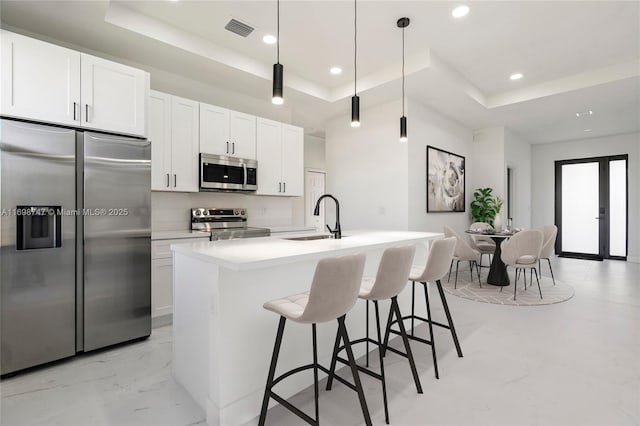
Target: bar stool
x=390, y=280
x=334, y=291
x=440, y=257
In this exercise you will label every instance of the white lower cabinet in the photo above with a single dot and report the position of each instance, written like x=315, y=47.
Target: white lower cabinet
x=280, y=154
x=162, y=274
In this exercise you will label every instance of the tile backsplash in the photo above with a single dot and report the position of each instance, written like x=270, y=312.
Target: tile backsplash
x=170, y=210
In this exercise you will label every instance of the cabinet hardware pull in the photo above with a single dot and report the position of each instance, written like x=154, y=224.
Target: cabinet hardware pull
x=75, y=105
x=233, y=147
x=175, y=180
x=284, y=187
x=86, y=112
x=279, y=186
x=168, y=183
x=227, y=147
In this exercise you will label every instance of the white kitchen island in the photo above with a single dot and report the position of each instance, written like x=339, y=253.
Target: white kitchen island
x=223, y=338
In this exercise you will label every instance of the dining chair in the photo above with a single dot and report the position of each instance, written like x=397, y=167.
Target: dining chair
x=463, y=252
x=482, y=243
x=522, y=252
x=550, y=233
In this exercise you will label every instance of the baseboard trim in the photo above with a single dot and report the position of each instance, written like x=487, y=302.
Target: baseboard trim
x=162, y=320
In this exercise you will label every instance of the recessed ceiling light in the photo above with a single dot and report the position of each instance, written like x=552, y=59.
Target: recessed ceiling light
x=584, y=113
x=587, y=130
x=269, y=39
x=516, y=76
x=460, y=11
x=335, y=70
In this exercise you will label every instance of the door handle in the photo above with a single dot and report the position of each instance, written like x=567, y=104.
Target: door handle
x=244, y=169
x=86, y=112
x=168, y=183
x=233, y=147
x=175, y=180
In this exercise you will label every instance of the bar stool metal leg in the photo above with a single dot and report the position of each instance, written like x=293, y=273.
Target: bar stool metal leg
x=315, y=371
x=367, y=333
x=272, y=372
x=445, y=305
x=384, y=382
x=407, y=346
x=431, y=338
x=354, y=370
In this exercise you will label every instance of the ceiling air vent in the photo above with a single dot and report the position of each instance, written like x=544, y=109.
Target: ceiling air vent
x=239, y=28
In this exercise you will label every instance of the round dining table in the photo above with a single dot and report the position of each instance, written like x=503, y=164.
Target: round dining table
x=498, y=271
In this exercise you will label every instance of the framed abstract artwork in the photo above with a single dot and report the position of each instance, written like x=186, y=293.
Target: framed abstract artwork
x=445, y=181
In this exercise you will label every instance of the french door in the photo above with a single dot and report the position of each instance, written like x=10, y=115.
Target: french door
x=591, y=207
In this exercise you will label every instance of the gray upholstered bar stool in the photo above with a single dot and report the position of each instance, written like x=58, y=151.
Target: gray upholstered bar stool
x=440, y=257
x=334, y=291
x=390, y=280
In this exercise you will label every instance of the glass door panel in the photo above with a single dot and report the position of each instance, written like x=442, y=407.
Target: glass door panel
x=618, y=208
x=580, y=201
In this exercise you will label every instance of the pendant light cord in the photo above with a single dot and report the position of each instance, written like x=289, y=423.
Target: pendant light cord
x=355, y=47
x=403, y=71
x=278, y=33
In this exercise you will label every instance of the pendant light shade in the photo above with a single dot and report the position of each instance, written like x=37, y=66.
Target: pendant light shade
x=355, y=111
x=403, y=129
x=355, y=99
x=278, y=69
x=403, y=23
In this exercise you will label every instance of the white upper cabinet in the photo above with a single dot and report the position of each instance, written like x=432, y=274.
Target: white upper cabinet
x=40, y=81
x=242, y=135
x=44, y=82
x=113, y=96
x=214, y=129
x=173, y=131
x=293, y=160
x=184, y=145
x=280, y=154
x=160, y=137
x=227, y=132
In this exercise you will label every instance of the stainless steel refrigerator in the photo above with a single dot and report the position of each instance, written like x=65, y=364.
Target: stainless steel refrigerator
x=75, y=233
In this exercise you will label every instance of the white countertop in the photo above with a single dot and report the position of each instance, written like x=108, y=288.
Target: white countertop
x=176, y=235
x=253, y=253
x=301, y=228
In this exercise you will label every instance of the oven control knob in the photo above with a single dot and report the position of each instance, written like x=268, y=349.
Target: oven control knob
x=236, y=212
x=242, y=212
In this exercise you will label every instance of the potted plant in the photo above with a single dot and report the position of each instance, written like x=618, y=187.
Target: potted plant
x=497, y=218
x=483, y=207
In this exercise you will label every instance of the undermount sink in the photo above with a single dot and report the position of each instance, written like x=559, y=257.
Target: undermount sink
x=310, y=237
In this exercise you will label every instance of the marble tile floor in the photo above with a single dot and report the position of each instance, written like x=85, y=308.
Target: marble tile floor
x=573, y=363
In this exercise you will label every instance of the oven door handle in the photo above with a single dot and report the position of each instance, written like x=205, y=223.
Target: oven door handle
x=244, y=169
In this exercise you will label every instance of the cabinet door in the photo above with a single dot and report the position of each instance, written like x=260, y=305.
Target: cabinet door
x=269, y=150
x=161, y=287
x=214, y=130
x=40, y=81
x=184, y=145
x=160, y=137
x=114, y=96
x=243, y=135
x=292, y=160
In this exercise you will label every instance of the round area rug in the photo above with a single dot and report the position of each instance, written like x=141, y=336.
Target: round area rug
x=561, y=292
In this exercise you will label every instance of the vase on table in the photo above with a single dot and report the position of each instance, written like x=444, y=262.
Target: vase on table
x=497, y=223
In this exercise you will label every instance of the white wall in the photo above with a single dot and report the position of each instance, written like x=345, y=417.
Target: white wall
x=517, y=155
x=428, y=127
x=488, y=160
x=367, y=169
x=544, y=157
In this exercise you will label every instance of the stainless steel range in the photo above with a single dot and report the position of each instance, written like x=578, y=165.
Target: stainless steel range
x=224, y=224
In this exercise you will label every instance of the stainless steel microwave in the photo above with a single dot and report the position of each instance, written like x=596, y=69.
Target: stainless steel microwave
x=222, y=173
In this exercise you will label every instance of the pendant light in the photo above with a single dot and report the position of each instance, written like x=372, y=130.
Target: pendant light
x=355, y=99
x=278, y=69
x=403, y=23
